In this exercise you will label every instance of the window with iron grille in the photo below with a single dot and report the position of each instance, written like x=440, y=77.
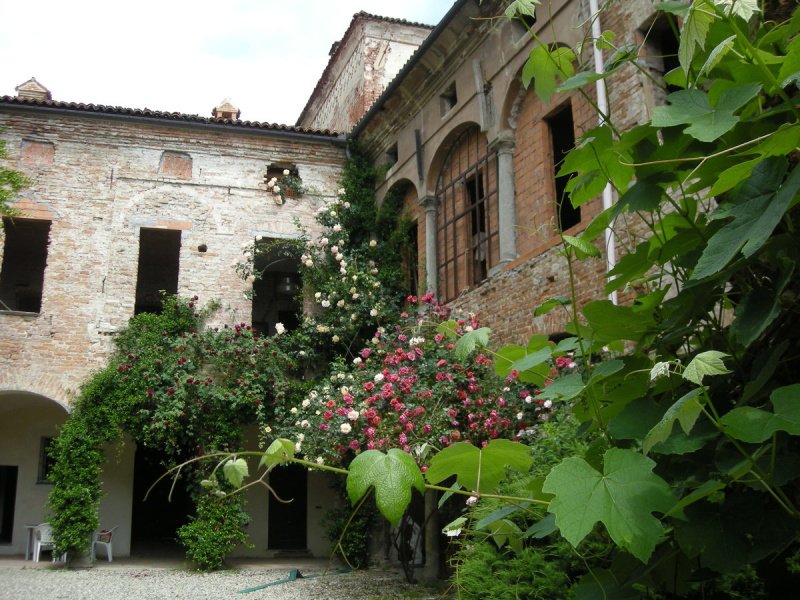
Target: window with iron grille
x=467, y=222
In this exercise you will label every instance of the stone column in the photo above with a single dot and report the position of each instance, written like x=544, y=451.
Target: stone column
x=430, y=203
x=503, y=144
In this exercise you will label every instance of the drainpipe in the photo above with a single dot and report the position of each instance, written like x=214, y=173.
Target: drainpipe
x=602, y=104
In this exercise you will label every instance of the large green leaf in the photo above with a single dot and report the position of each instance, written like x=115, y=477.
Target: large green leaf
x=278, y=452
x=623, y=498
x=610, y=322
x=685, y=410
x=752, y=425
x=476, y=469
x=753, y=222
x=235, y=470
x=471, y=340
x=544, y=67
x=705, y=363
x=393, y=475
x=706, y=122
x=695, y=30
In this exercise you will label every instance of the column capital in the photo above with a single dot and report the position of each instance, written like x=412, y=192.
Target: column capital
x=429, y=202
x=504, y=142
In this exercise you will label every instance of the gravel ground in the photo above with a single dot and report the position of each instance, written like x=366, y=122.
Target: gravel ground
x=134, y=583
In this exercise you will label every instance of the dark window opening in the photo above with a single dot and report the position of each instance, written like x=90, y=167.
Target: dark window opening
x=392, y=155
x=659, y=52
x=448, y=99
x=8, y=496
x=159, y=260
x=24, y=262
x=277, y=296
x=562, y=138
x=46, y=460
x=478, y=227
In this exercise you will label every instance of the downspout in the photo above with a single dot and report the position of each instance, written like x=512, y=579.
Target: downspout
x=602, y=105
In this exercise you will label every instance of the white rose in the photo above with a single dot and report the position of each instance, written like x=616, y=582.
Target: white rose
x=293, y=410
x=279, y=328
x=337, y=227
x=345, y=428
x=318, y=295
x=325, y=304
x=335, y=338
x=286, y=171
x=373, y=243
x=323, y=242
x=373, y=312
x=353, y=415
x=334, y=249
x=341, y=192
x=346, y=205
x=340, y=303
x=378, y=376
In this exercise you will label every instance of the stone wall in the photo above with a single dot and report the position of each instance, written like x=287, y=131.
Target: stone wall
x=100, y=180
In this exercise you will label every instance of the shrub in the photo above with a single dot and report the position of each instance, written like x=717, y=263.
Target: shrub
x=215, y=530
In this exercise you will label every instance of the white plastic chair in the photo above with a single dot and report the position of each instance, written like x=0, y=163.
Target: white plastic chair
x=43, y=540
x=103, y=538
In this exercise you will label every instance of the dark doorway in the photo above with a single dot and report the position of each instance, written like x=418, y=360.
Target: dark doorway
x=287, y=521
x=156, y=520
x=8, y=496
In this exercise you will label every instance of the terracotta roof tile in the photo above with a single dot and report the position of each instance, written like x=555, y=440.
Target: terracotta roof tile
x=166, y=116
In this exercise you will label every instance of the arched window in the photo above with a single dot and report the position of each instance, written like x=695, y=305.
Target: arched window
x=467, y=222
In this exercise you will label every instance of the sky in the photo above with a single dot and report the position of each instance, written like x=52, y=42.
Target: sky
x=184, y=55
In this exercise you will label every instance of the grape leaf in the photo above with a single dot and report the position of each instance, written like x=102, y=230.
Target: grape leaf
x=471, y=340
x=685, y=410
x=705, y=363
x=278, y=452
x=695, y=30
x=706, y=123
x=479, y=470
x=623, y=498
x=544, y=66
x=392, y=475
x=752, y=425
x=235, y=470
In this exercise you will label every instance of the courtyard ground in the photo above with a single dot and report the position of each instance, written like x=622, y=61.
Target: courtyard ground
x=132, y=579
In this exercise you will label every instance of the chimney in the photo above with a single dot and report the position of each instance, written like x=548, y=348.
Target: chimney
x=33, y=90
x=226, y=110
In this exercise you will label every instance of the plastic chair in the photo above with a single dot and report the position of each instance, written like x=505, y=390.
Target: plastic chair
x=43, y=540
x=103, y=538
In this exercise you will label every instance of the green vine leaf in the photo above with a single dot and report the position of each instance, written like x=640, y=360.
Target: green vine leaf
x=706, y=122
x=522, y=7
x=235, y=470
x=754, y=220
x=278, y=452
x=582, y=246
x=741, y=8
x=695, y=30
x=393, y=475
x=623, y=498
x=471, y=340
x=479, y=470
x=705, y=363
x=754, y=426
x=544, y=66
x=685, y=410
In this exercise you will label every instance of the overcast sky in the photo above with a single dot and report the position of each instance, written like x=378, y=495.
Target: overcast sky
x=184, y=55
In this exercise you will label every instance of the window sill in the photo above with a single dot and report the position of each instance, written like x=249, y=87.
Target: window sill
x=19, y=313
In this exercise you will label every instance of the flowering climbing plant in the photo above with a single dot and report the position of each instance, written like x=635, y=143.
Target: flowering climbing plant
x=411, y=388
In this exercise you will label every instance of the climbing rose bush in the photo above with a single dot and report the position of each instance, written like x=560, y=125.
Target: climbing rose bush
x=407, y=389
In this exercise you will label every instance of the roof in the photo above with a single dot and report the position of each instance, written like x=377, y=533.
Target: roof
x=336, y=49
x=174, y=117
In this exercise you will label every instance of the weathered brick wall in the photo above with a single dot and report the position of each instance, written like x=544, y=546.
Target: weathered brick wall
x=506, y=300
x=104, y=182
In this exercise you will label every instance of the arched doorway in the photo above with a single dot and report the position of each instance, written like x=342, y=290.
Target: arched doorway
x=28, y=422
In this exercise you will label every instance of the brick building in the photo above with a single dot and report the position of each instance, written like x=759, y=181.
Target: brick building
x=126, y=202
